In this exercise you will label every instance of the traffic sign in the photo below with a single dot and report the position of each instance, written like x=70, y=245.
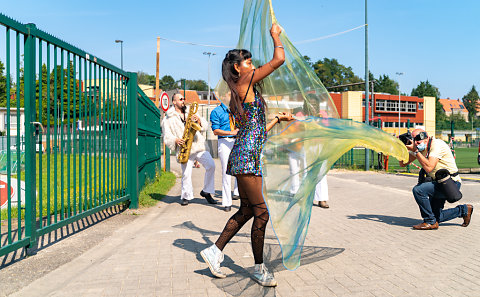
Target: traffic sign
x=164, y=101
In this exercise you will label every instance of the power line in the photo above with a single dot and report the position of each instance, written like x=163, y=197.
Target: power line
x=298, y=42
x=193, y=43
x=329, y=36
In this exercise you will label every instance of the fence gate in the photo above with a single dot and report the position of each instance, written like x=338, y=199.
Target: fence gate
x=66, y=112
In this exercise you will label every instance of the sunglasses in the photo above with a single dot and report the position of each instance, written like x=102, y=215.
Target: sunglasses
x=421, y=136
x=181, y=99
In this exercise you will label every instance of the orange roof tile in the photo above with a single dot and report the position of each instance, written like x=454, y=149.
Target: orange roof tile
x=449, y=104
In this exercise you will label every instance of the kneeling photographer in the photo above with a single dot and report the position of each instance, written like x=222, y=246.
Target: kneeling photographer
x=442, y=183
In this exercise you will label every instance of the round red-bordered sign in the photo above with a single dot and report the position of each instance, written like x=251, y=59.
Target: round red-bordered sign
x=164, y=101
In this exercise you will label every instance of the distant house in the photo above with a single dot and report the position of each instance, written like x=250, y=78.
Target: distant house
x=454, y=106
x=15, y=116
x=149, y=90
x=203, y=97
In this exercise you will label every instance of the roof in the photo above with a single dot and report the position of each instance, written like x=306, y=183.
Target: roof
x=190, y=96
x=452, y=104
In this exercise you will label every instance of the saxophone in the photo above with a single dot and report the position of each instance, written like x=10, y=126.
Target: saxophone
x=188, y=134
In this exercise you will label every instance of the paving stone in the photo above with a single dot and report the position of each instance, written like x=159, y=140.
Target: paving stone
x=364, y=247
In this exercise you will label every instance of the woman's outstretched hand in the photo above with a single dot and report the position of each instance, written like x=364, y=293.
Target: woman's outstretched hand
x=275, y=30
x=285, y=116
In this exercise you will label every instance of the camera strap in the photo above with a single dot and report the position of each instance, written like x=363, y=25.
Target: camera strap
x=429, y=145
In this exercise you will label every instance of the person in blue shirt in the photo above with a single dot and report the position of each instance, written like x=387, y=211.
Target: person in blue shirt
x=223, y=125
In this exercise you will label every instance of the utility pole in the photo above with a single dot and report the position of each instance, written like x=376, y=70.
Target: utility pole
x=157, y=73
x=209, y=54
x=121, y=51
x=399, y=101
x=367, y=101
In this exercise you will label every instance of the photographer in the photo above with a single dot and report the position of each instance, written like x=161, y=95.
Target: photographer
x=430, y=194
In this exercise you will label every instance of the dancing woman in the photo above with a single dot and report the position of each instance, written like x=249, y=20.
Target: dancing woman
x=248, y=106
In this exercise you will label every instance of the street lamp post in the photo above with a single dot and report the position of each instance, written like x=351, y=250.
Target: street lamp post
x=121, y=51
x=399, y=103
x=209, y=54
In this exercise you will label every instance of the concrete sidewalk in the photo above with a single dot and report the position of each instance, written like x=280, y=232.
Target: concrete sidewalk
x=362, y=246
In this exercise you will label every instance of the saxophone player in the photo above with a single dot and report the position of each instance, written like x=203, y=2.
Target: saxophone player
x=173, y=126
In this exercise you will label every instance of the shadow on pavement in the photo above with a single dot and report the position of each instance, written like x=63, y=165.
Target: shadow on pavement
x=176, y=199
x=56, y=235
x=240, y=283
x=390, y=220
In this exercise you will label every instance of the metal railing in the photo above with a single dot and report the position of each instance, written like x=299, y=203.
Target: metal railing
x=79, y=152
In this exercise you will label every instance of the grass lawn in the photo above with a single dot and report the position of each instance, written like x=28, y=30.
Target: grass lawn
x=96, y=181
x=155, y=190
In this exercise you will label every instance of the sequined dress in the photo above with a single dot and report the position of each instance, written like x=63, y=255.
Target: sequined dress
x=245, y=157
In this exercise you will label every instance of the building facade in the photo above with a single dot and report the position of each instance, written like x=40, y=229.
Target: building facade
x=15, y=116
x=419, y=112
x=451, y=106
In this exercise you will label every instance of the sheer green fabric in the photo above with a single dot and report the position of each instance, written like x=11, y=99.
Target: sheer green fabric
x=298, y=154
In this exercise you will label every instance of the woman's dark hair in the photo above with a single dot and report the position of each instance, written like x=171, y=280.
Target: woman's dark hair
x=231, y=77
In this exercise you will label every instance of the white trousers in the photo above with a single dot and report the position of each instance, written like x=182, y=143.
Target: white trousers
x=207, y=162
x=225, y=146
x=321, y=190
x=297, y=163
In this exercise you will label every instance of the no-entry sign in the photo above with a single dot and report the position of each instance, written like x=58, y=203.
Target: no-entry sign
x=164, y=101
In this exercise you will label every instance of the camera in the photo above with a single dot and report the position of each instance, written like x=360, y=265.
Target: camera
x=406, y=138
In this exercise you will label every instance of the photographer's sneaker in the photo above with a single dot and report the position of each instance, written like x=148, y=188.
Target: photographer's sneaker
x=213, y=256
x=262, y=276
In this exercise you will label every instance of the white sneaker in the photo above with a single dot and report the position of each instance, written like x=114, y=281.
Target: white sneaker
x=213, y=256
x=262, y=276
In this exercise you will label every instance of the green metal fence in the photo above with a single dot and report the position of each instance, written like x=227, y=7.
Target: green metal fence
x=465, y=158
x=149, y=139
x=72, y=109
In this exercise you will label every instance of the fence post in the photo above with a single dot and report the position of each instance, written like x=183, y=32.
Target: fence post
x=167, y=158
x=132, y=140
x=30, y=152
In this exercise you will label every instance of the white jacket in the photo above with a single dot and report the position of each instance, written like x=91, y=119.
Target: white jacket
x=173, y=127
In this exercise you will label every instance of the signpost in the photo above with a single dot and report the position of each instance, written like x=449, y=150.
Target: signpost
x=164, y=101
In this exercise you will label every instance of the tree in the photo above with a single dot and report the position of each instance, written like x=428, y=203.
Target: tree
x=19, y=86
x=167, y=83
x=459, y=120
x=197, y=85
x=332, y=73
x=384, y=84
x=3, y=84
x=308, y=60
x=69, y=90
x=425, y=88
x=471, y=102
x=145, y=78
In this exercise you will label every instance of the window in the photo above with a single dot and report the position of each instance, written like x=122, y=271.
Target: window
x=461, y=106
x=412, y=107
x=392, y=106
x=420, y=105
x=13, y=121
x=363, y=103
x=199, y=97
x=380, y=105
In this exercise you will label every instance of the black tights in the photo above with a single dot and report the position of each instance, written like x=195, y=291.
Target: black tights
x=251, y=205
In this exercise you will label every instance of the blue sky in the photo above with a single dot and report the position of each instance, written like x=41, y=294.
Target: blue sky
x=425, y=39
